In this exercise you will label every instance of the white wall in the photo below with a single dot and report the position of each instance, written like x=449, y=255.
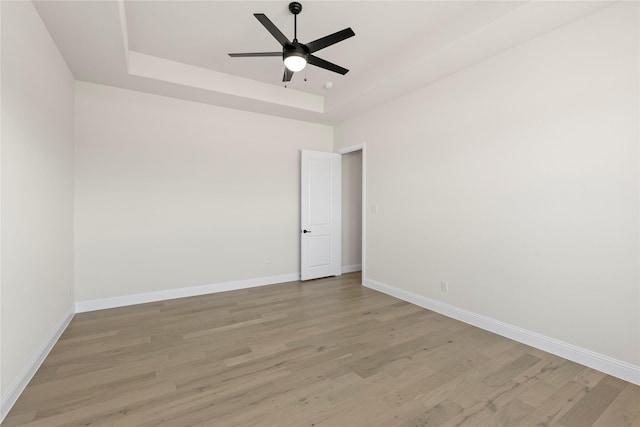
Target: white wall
x=517, y=181
x=352, y=211
x=173, y=194
x=36, y=194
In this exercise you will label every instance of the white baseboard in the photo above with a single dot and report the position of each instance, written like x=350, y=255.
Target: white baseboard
x=600, y=362
x=20, y=382
x=121, y=301
x=351, y=268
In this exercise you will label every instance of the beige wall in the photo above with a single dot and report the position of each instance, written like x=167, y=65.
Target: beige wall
x=352, y=211
x=172, y=194
x=36, y=280
x=516, y=180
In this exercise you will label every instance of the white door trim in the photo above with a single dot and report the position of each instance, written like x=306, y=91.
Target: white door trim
x=351, y=149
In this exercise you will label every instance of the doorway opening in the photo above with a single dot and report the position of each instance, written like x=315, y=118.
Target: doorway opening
x=353, y=208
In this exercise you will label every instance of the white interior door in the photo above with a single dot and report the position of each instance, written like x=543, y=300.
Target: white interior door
x=320, y=211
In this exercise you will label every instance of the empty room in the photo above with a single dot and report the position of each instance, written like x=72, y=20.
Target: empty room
x=322, y=213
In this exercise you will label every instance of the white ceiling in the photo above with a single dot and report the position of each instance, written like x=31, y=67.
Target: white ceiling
x=179, y=48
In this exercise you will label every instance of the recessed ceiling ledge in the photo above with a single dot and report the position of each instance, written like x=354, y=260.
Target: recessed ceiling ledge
x=161, y=69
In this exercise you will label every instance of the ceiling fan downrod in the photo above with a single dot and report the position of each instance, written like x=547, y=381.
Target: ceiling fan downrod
x=295, y=8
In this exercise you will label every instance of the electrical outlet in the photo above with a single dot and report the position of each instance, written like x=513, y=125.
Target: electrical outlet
x=444, y=286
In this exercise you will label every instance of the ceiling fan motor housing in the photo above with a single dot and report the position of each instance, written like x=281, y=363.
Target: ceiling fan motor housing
x=295, y=49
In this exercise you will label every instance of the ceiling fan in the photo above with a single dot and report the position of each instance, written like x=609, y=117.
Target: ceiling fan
x=296, y=55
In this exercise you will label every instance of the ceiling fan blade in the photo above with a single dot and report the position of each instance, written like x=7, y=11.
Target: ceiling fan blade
x=334, y=38
x=287, y=75
x=319, y=62
x=275, y=32
x=241, y=55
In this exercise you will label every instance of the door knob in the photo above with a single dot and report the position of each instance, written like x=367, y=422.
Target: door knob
x=306, y=231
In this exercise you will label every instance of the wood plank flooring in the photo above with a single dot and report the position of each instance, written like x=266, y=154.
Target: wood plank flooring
x=323, y=353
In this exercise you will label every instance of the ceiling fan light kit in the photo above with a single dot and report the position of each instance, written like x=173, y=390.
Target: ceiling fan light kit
x=295, y=60
x=296, y=55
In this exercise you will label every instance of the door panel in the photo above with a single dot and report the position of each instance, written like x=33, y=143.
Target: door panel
x=319, y=251
x=320, y=203
x=320, y=211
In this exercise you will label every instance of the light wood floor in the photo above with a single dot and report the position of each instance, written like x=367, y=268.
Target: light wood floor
x=322, y=353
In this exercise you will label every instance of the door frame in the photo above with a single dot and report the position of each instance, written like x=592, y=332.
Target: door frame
x=350, y=149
